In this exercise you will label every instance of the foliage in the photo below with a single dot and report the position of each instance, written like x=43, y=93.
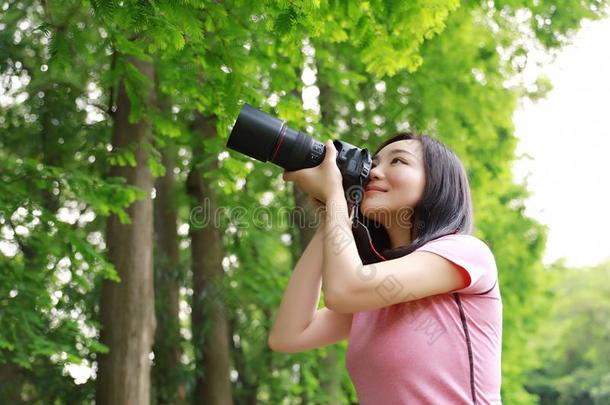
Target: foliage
x=574, y=339
x=447, y=69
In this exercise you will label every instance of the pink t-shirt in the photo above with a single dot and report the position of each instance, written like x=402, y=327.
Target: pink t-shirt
x=443, y=349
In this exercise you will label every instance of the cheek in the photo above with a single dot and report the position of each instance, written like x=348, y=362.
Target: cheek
x=407, y=185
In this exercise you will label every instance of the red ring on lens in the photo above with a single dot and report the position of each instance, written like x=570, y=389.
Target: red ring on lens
x=282, y=136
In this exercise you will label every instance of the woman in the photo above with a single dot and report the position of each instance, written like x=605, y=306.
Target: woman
x=403, y=278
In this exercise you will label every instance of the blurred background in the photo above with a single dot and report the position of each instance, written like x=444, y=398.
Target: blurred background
x=142, y=262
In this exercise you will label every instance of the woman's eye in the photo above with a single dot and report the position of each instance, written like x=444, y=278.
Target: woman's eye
x=397, y=160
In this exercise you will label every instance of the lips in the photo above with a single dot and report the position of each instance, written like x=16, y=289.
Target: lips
x=374, y=188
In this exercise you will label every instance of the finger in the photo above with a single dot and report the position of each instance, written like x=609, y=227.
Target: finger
x=331, y=152
x=294, y=175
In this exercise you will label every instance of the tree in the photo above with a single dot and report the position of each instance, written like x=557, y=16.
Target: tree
x=574, y=338
x=76, y=74
x=127, y=307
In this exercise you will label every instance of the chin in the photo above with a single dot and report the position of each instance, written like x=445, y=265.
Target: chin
x=373, y=211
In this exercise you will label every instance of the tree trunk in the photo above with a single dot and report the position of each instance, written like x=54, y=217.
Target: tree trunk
x=168, y=385
x=127, y=307
x=209, y=319
x=11, y=380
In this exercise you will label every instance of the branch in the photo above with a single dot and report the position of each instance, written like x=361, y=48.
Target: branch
x=20, y=243
x=110, y=110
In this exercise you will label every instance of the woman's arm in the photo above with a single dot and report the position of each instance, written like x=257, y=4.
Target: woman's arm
x=299, y=325
x=350, y=286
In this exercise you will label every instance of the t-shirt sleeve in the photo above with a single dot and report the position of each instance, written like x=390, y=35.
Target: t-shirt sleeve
x=472, y=257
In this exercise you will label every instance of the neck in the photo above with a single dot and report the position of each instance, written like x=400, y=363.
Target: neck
x=400, y=234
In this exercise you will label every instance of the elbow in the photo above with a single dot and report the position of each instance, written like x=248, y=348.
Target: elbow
x=277, y=346
x=272, y=343
x=337, y=301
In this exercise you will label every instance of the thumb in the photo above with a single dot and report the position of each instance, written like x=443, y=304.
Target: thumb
x=331, y=152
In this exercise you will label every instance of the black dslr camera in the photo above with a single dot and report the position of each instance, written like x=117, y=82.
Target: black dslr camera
x=264, y=137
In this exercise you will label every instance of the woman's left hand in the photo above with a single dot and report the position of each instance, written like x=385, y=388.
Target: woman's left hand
x=320, y=181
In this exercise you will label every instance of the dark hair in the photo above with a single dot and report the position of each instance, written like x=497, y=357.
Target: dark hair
x=445, y=206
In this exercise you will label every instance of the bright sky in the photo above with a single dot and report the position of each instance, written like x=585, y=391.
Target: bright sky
x=567, y=135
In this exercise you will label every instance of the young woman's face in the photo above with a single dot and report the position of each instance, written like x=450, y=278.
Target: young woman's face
x=397, y=180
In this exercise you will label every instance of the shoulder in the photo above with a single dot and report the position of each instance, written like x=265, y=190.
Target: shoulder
x=471, y=254
x=460, y=242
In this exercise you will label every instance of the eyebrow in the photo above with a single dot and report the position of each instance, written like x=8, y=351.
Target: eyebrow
x=395, y=151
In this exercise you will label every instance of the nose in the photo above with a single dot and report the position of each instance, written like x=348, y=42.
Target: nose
x=375, y=173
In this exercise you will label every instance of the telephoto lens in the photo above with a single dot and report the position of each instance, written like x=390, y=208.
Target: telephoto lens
x=267, y=138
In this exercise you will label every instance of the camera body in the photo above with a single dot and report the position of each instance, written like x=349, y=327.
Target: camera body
x=267, y=138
